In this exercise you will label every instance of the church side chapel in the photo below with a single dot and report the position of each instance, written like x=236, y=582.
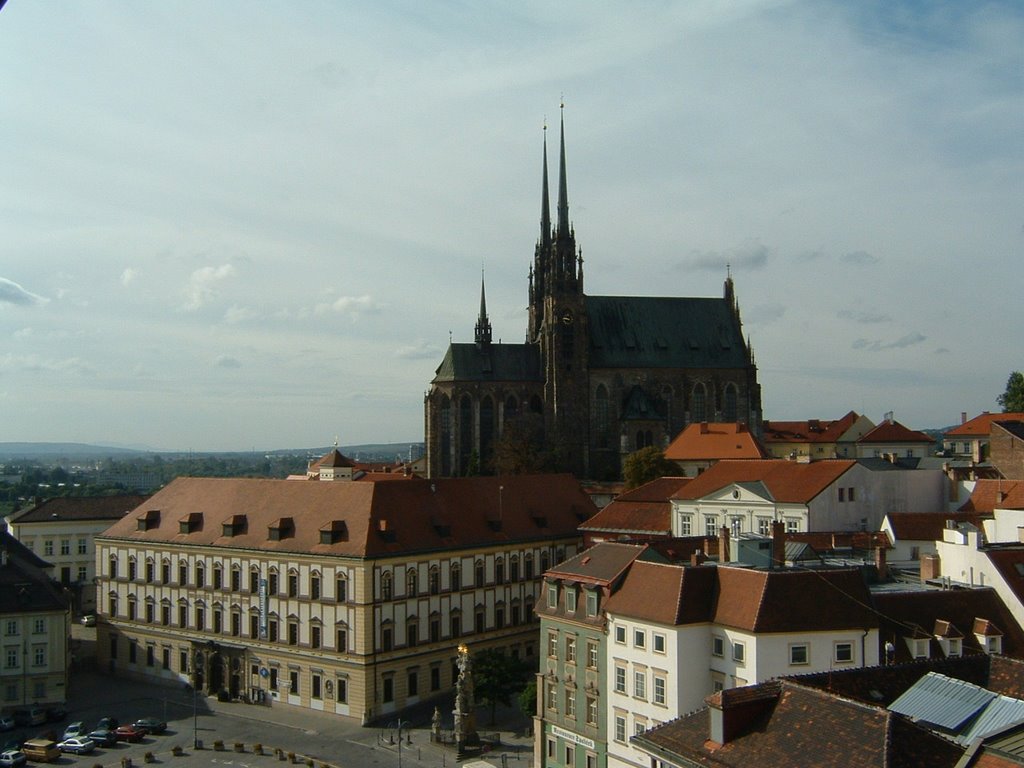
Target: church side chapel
x=597, y=377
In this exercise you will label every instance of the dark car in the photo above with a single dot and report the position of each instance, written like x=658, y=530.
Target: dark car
x=104, y=737
x=150, y=725
x=129, y=733
x=107, y=723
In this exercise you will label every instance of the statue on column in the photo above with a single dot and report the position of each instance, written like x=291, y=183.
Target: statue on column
x=465, y=704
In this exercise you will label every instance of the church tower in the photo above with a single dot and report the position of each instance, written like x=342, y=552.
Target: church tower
x=558, y=322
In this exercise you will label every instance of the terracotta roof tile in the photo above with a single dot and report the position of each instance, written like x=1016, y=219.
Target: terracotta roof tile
x=981, y=425
x=787, y=481
x=80, y=508
x=988, y=495
x=894, y=432
x=714, y=441
x=927, y=526
x=665, y=593
x=646, y=509
x=602, y=563
x=381, y=518
x=810, y=431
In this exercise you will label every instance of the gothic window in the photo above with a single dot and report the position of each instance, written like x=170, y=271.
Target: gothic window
x=699, y=403
x=465, y=433
x=511, y=408
x=601, y=415
x=385, y=586
x=486, y=431
x=730, y=409
x=446, y=436
x=666, y=399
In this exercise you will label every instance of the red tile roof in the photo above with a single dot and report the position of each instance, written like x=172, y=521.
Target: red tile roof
x=80, y=508
x=981, y=425
x=927, y=526
x=600, y=564
x=381, y=518
x=713, y=442
x=792, y=600
x=787, y=481
x=665, y=593
x=643, y=510
x=894, y=432
x=810, y=431
x=799, y=727
x=989, y=495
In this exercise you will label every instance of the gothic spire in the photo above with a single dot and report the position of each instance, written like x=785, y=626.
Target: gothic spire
x=545, y=206
x=563, y=189
x=483, y=325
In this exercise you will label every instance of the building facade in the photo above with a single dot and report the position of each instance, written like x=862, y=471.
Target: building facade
x=62, y=531
x=35, y=627
x=598, y=376
x=346, y=597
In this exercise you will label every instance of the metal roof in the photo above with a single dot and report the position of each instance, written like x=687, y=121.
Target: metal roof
x=1000, y=713
x=943, y=702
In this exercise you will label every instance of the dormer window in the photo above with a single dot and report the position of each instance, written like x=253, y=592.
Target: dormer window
x=148, y=520
x=234, y=525
x=280, y=529
x=570, y=599
x=955, y=647
x=333, y=532
x=191, y=522
x=552, y=595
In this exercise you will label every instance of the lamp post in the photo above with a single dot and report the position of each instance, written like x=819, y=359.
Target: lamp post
x=400, y=724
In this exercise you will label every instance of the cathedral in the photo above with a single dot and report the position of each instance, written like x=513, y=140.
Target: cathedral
x=597, y=377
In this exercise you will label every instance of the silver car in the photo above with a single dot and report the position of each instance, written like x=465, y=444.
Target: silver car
x=80, y=745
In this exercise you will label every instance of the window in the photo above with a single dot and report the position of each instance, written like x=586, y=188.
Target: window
x=435, y=678
x=272, y=586
x=254, y=580
x=455, y=577
x=132, y=569
x=385, y=639
x=591, y=710
x=659, y=689
x=411, y=582
x=499, y=571
x=764, y=526
x=165, y=571
x=315, y=686
x=83, y=573
x=385, y=586
x=570, y=703
x=955, y=646
x=389, y=690
x=341, y=639
x=591, y=603
x=455, y=624
x=38, y=626
x=434, y=580
x=570, y=600
x=200, y=618
x=620, y=633
x=550, y=696
x=551, y=747
x=341, y=589
x=552, y=595
x=48, y=547
x=843, y=652
x=592, y=655
x=12, y=658
x=293, y=633
x=218, y=577
x=182, y=616
x=272, y=630
x=620, y=679
x=842, y=495
x=165, y=615
x=217, y=620
x=293, y=585
x=236, y=578
x=570, y=650
x=639, y=727
x=792, y=525
x=685, y=525
x=639, y=638
x=182, y=573
x=640, y=684
x=620, y=728
x=570, y=755
x=413, y=683
x=513, y=568
x=735, y=525
x=711, y=526
x=412, y=633
x=39, y=656
x=738, y=652
x=293, y=679
x=799, y=654
x=478, y=573
x=659, y=642
x=849, y=493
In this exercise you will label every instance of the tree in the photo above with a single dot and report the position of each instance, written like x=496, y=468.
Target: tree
x=645, y=465
x=1012, y=400
x=528, y=699
x=497, y=678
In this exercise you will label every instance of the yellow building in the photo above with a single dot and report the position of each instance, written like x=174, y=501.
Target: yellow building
x=347, y=597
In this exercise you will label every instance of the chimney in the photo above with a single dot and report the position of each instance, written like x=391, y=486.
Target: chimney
x=778, y=544
x=704, y=428
x=1000, y=496
x=931, y=567
x=963, y=417
x=723, y=545
x=880, y=565
x=698, y=558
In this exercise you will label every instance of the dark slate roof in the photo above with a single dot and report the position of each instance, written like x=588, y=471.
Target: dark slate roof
x=80, y=508
x=659, y=332
x=498, y=362
x=24, y=585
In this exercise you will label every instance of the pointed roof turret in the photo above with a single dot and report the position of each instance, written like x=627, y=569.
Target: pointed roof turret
x=483, y=325
x=563, y=188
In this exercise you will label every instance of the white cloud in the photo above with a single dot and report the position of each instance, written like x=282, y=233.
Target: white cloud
x=12, y=293
x=128, y=276
x=202, y=285
x=235, y=314
x=353, y=306
x=421, y=350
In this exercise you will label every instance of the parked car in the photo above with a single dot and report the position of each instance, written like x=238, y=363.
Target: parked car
x=33, y=716
x=89, y=620
x=6, y=723
x=107, y=722
x=76, y=728
x=12, y=758
x=41, y=750
x=129, y=733
x=150, y=724
x=104, y=737
x=80, y=745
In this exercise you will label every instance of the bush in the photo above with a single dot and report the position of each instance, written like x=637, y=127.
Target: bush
x=257, y=748
x=291, y=757
x=218, y=745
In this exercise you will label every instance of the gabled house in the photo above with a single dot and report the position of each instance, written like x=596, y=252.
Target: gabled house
x=892, y=440
x=913, y=534
x=815, y=439
x=640, y=514
x=970, y=438
x=702, y=445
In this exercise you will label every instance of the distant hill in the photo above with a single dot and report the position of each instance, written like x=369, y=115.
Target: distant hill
x=85, y=451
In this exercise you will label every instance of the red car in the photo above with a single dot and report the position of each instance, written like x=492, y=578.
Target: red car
x=129, y=733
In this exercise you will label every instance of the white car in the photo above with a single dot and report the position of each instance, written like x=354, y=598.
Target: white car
x=89, y=620
x=74, y=729
x=80, y=745
x=12, y=758
x=7, y=723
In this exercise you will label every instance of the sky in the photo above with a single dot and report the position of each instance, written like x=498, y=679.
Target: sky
x=237, y=225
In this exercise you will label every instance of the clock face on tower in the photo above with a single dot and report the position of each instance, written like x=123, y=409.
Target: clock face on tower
x=566, y=317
